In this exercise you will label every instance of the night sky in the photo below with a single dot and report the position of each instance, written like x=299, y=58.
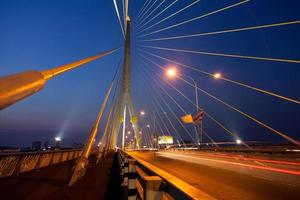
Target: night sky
x=44, y=34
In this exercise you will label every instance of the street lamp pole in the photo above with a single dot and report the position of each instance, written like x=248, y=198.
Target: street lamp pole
x=195, y=82
x=154, y=124
x=171, y=72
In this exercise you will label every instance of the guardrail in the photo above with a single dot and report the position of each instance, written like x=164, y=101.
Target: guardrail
x=15, y=163
x=142, y=180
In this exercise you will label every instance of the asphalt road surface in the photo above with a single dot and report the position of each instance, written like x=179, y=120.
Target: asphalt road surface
x=228, y=176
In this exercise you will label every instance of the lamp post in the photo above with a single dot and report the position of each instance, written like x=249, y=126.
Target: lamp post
x=154, y=123
x=172, y=72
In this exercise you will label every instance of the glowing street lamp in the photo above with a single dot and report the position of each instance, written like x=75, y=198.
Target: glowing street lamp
x=238, y=141
x=148, y=126
x=142, y=113
x=171, y=72
x=57, y=139
x=217, y=75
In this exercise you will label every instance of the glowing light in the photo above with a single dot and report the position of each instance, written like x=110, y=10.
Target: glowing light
x=142, y=113
x=217, y=75
x=238, y=141
x=58, y=139
x=128, y=132
x=171, y=72
x=148, y=126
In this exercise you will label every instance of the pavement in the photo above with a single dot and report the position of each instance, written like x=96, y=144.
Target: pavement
x=51, y=183
x=228, y=176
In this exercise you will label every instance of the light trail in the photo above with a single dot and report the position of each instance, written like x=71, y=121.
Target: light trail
x=228, y=80
x=281, y=162
x=156, y=15
x=193, y=158
x=196, y=18
x=172, y=15
x=224, y=31
x=224, y=55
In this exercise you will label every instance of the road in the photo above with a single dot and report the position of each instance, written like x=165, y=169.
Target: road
x=228, y=176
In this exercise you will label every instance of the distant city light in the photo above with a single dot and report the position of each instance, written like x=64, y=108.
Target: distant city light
x=132, y=125
x=148, y=126
x=238, y=141
x=58, y=139
x=142, y=113
x=128, y=132
x=217, y=75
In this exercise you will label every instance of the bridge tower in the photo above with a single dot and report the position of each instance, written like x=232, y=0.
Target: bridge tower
x=125, y=98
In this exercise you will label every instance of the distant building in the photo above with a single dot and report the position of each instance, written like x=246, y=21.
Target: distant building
x=46, y=145
x=7, y=149
x=77, y=145
x=36, y=145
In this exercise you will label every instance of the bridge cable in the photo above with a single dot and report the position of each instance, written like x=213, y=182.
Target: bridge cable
x=224, y=31
x=150, y=20
x=176, y=103
x=227, y=79
x=224, y=55
x=243, y=113
x=118, y=15
x=138, y=24
x=146, y=11
x=205, y=112
x=172, y=15
x=145, y=5
x=196, y=18
x=166, y=116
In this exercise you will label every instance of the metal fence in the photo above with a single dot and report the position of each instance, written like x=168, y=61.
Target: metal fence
x=142, y=180
x=15, y=163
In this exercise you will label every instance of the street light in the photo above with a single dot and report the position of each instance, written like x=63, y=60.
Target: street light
x=142, y=113
x=217, y=75
x=57, y=139
x=238, y=141
x=171, y=72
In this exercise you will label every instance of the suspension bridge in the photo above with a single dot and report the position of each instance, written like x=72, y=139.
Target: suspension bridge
x=170, y=127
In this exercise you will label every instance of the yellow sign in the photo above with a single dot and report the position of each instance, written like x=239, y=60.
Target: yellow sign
x=188, y=119
x=134, y=119
x=165, y=140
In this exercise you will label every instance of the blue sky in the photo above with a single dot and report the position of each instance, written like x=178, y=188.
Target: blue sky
x=45, y=34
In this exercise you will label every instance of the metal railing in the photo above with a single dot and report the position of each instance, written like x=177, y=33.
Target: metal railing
x=16, y=163
x=142, y=180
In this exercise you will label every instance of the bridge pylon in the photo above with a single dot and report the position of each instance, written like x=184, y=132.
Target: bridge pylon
x=125, y=102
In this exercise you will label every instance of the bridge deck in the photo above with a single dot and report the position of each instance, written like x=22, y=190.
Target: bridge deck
x=51, y=183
